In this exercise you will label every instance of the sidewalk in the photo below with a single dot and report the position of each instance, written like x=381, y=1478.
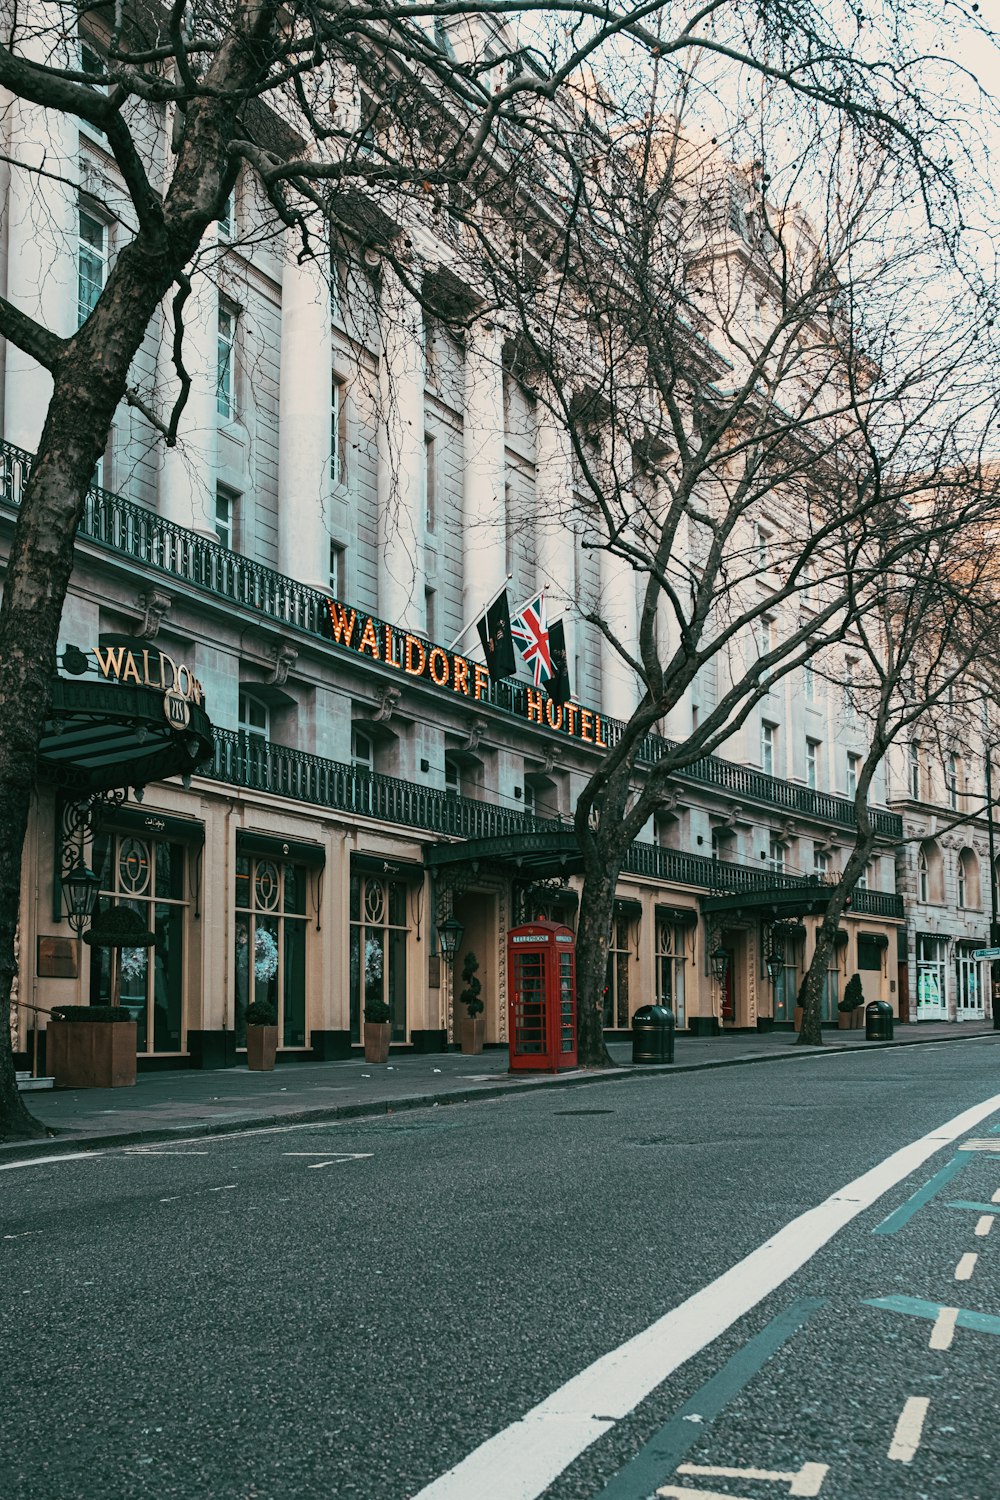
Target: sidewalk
x=192, y=1102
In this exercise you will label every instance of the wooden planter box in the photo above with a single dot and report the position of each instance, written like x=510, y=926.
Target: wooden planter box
x=376, y=1041
x=91, y=1054
x=851, y=1020
x=262, y=1048
x=472, y=1034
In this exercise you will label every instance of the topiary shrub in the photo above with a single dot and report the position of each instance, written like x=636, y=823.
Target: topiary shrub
x=377, y=1012
x=259, y=1013
x=470, y=995
x=854, y=995
x=92, y=1013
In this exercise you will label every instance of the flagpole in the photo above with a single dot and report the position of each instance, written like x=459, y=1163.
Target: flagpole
x=481, y=612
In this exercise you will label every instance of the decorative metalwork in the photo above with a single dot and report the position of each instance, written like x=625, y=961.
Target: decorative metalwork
x=161, y=545
x=134, y=866
x=267, y=885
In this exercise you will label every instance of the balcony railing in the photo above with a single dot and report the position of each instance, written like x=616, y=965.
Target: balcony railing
x=247, y=761
x=163, y=546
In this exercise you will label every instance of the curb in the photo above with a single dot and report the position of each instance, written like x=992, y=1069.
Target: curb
x=65, y=1140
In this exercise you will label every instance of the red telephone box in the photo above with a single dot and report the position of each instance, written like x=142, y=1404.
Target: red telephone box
x=541, y=1008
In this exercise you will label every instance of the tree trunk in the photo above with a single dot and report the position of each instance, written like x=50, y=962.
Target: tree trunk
x=592, y=939
x=811, y=988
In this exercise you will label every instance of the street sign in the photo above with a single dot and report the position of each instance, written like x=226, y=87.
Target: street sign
x=991, y=953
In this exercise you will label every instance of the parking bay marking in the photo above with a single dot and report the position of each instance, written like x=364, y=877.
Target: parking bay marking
x=331, y=1158
x=918, y=1307
x=807, y=1481
x=909, y=1429
x=966, y=1266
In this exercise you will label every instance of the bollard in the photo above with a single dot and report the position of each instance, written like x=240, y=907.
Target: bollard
x=653, y=1034
x=878, y=1022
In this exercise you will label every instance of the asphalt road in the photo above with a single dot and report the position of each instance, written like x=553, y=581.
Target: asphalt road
x=352, y=1309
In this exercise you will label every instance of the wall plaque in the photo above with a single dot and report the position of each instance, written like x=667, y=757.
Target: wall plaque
x=58, y=958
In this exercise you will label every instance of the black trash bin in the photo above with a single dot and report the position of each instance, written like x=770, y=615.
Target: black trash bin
x=878, y=1022
x=653, y=1034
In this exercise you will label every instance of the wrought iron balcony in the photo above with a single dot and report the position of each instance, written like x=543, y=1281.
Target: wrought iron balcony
x=164, y=547
x=248, y=761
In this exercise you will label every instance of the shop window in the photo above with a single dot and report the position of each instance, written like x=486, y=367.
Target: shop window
x=147, y=875
x=270, y=959
x=671, y=961
x=931, y=974
x=379, y=936
x=617, y=1010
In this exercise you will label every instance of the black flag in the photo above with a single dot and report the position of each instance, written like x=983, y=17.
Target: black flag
x=494, y=632
x=558, y=685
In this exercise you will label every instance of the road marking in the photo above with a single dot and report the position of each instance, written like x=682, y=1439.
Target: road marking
x=984, y=1225
x=965, y=1267
x=675, y=1439
x=226, y=1188
x=996, y=1196
x=917, y=1307
x=48, y=1161
x=921, y=1197
x=807, y=1481
x=522, y=1460
x=971, y=1205
x=336, y=1161
x=993, y=1146
x=944, y=1328
x=906, y=1438
x=155, y=1151
x=24, y=1235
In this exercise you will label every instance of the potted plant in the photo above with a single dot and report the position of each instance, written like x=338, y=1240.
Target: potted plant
x=850, y=1008
x=472, y=1026
x=262, y=1037
x=377, y=1016
x=91, y=1047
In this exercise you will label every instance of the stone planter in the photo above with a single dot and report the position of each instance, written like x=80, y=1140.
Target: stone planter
x=262, y=1048
x=376, y=1041
x=91, y=1054
x=472, y=1034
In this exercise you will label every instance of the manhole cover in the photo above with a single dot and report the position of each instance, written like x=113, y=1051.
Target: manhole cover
x=583, y=1111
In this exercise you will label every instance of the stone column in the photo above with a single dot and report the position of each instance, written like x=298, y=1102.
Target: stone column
x=483, y=489
x=42, y=240
x=401, y=503
x=189, y=471
x=304, y=475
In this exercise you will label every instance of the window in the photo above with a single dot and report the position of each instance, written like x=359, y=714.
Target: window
x=821, y=862
x=430, y=612
x=968, y=880
x=762, y=547
x=255, y=718
x=227, y=218
x=870, y=950
x=225, y=397
x=776, y=855
x=430, y=480
x=338, y=431
x=765, y=633
x=809, y=683
x=768, y=736
x=452, y=775
x=923, y=877
x=807, y=580
x=508, y=529
x=915, y=769
x=270, y=957
x=379, y=934
x=617, y=1011
x=147, y=875
x=951, y=777
x=812, y=763
x=362, y=750
x=853, y=767
x=670, y=964
x=338, y=570
x=94, y=64
x=850, y=673
x=227, y=503
x=338, y=287
x=92, y=263
x=932, y=994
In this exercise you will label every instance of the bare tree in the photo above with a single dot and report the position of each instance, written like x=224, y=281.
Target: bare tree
x=357, y=117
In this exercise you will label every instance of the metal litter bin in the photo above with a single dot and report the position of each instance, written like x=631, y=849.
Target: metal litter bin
x=653, y=1034
x=878, y=1022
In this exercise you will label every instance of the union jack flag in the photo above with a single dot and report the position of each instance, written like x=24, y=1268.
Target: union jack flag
x=531, y=637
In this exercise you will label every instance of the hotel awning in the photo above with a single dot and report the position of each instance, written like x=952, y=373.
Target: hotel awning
x=99, y=735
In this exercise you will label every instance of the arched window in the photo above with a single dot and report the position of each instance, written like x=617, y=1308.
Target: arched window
x=968, y=879
x=930, y=873
x=923, y=878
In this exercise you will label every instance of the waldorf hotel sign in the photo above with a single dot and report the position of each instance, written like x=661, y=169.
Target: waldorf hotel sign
x=133, y=663
x=412, y=656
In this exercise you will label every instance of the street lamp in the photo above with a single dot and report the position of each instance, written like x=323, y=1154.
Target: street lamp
x=994, y=925
x=449, y=936
x=775, y=951
x=81, y=887
x=719, y=959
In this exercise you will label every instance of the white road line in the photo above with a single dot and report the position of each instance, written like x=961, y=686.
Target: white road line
x=944, y=1328
x=996, y=1197
x=966, y=1266
x=226, y=1188
x=906, y=1438
x=983, y=1225
x=807, y=1481
x=154, y=1151
x=49, y=1161
x=521, y=1461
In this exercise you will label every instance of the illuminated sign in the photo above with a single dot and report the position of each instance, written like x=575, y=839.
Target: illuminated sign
x=415, y=657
